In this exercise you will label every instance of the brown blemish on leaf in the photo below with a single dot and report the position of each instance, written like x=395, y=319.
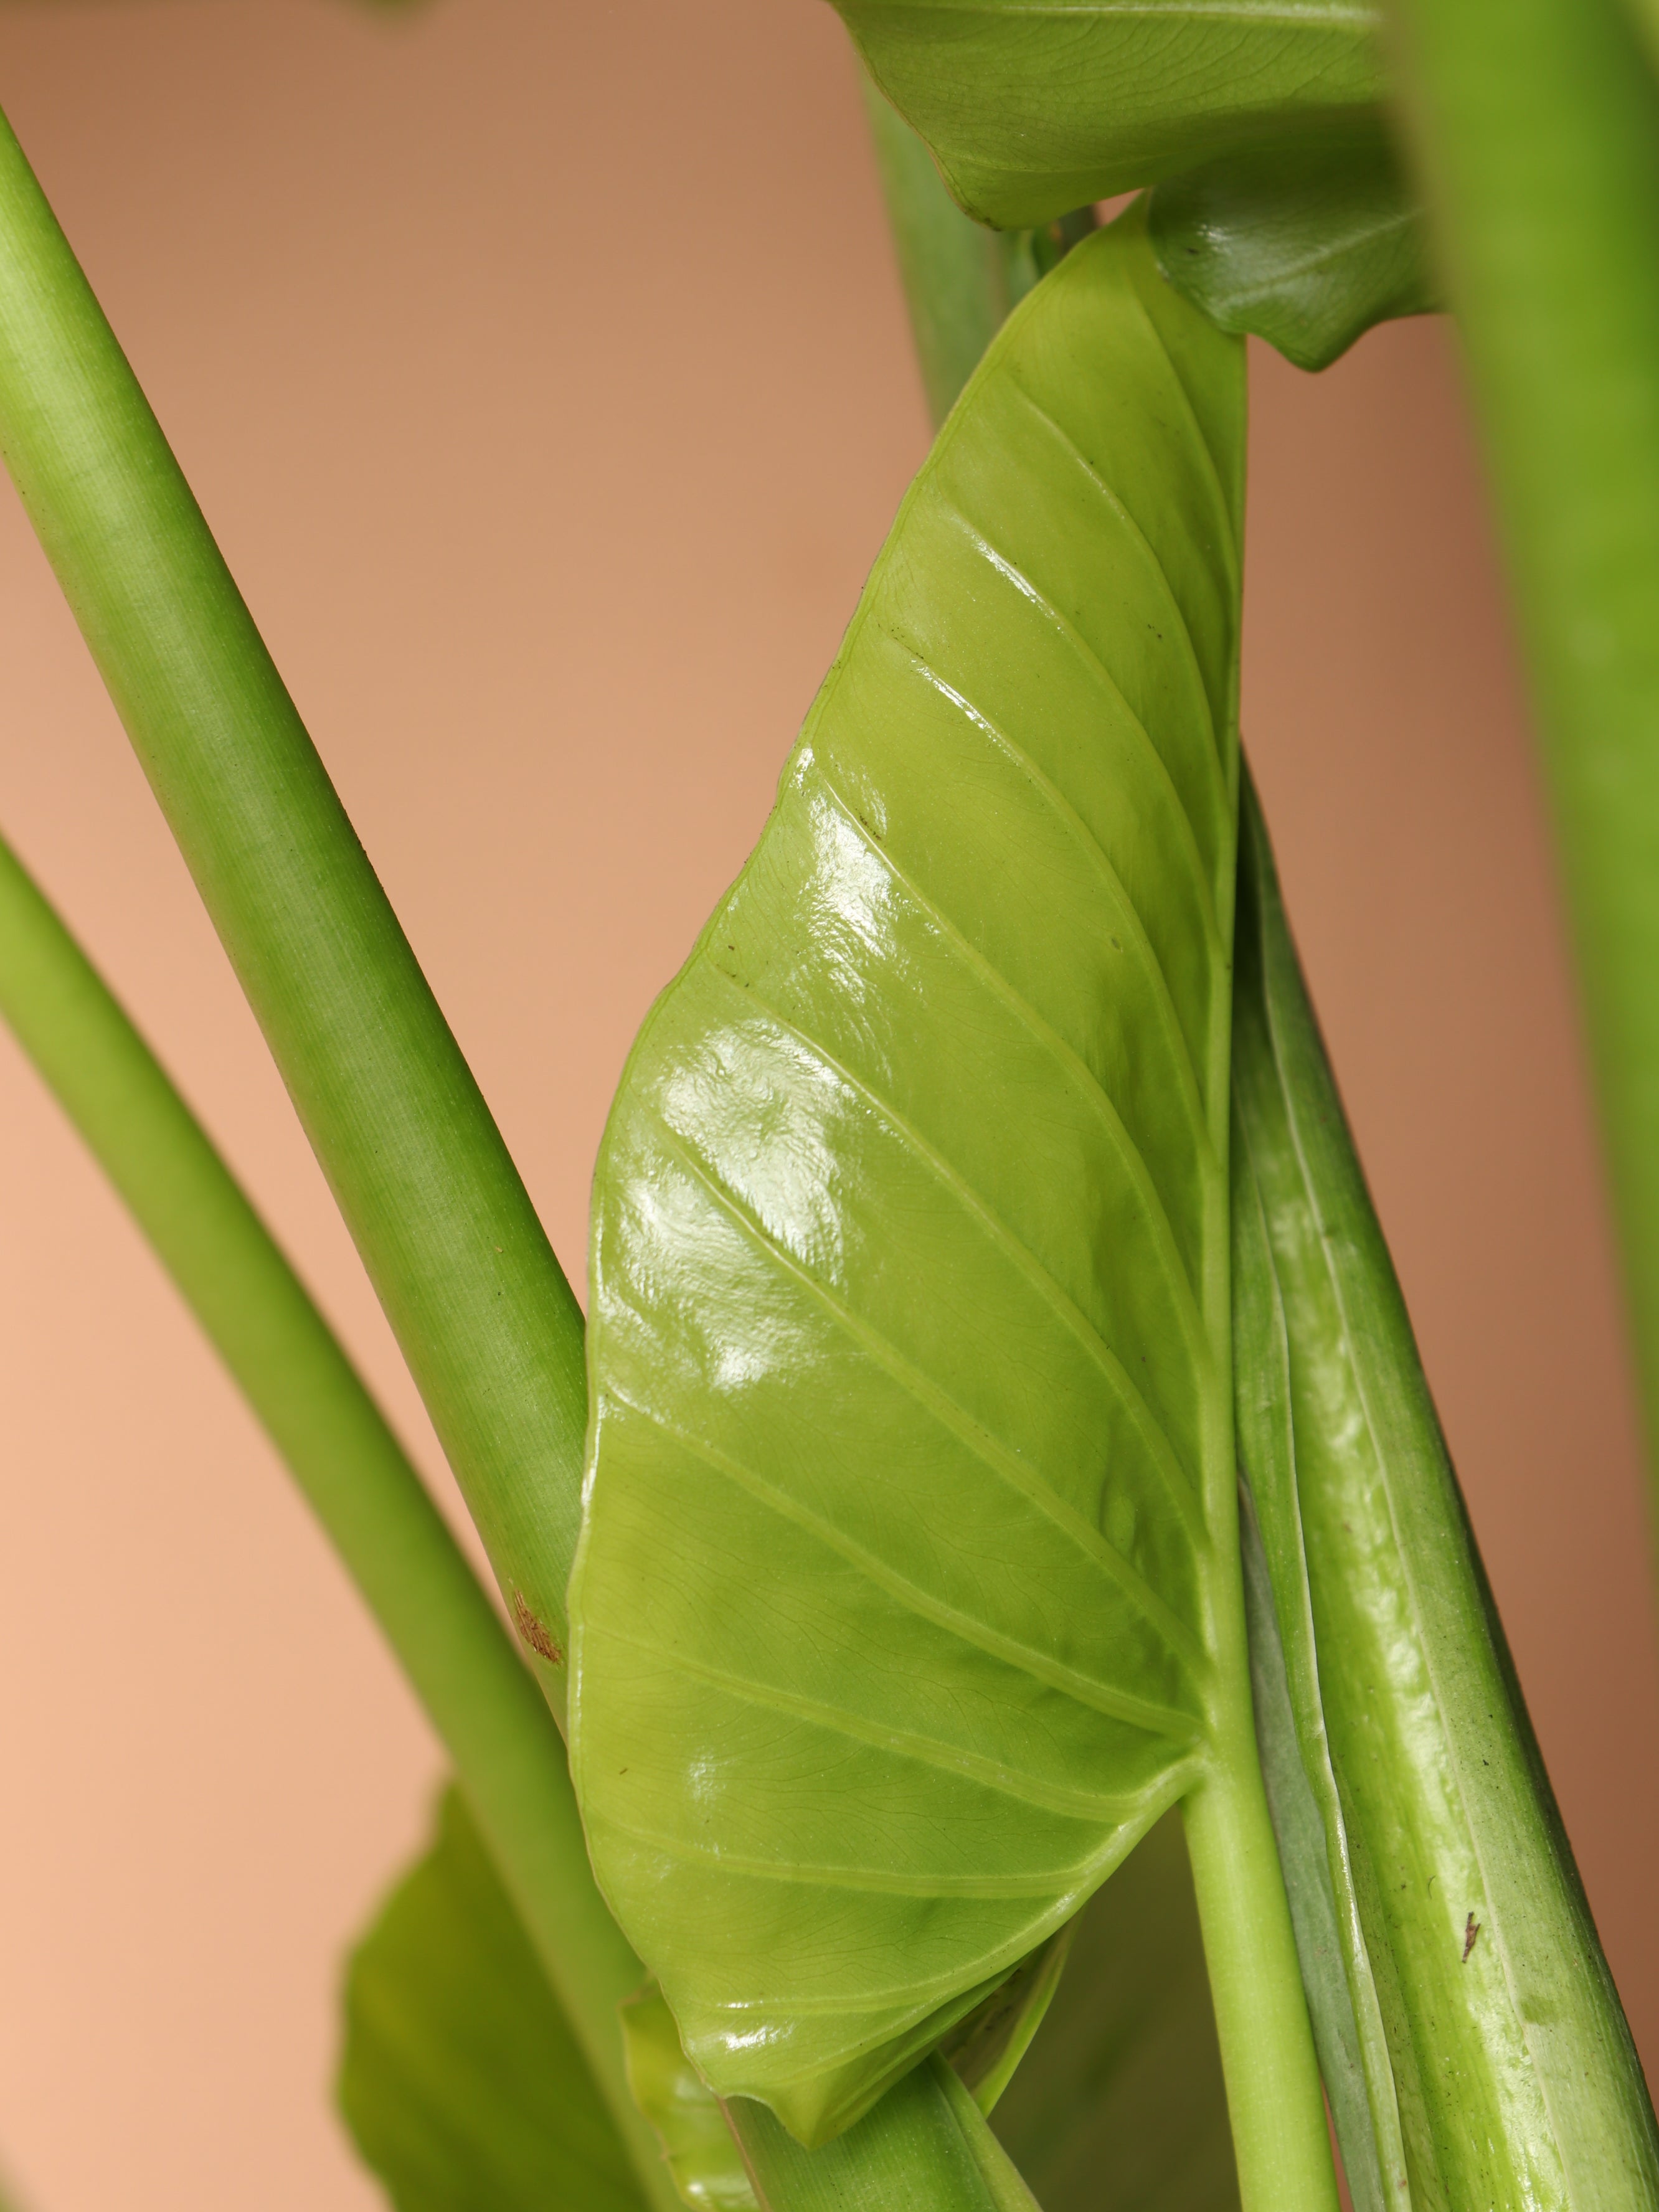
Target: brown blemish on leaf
x=1471, y=1929
x=533, y=1632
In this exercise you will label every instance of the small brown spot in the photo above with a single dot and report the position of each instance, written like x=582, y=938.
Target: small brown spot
x=1471, y=1929
x=533, y=1632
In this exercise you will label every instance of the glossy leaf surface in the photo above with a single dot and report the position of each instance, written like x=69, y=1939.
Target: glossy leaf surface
x=908, y=1241
x=460, y=2079
x=1308, y=246
x=1462, y=1917
x=1030, y=110
x=1120, y=2104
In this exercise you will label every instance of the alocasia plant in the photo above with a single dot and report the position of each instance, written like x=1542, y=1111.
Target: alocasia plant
x=910, y=1275
x=1004, y=1436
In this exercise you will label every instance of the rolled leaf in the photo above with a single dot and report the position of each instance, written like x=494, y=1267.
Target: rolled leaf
x=1342, y=2002
x=461, y=2081
x=1308, y=246
x=1031, y=111
x=1464, y=1926
x=911, y=1470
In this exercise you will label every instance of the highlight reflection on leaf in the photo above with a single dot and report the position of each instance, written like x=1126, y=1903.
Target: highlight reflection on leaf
x=909, y=1248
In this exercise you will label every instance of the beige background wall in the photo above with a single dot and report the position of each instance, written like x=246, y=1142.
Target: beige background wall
x=544, y=374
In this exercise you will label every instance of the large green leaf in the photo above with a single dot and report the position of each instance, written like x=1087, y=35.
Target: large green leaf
x=1488, y=2037
x=909, y=1331
x=1031, y=109
x=460, y=2079
x=1308, y=246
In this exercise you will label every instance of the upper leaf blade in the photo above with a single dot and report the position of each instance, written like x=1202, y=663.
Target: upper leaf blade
x=1031, y=110
x=905, y=1248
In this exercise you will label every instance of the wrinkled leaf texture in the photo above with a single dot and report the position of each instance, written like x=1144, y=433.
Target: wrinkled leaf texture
x=460, y=2079
x=909, y=1336
x=1032, y=107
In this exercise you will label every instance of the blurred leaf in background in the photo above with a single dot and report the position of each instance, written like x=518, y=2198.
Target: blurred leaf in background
x=460, y=2079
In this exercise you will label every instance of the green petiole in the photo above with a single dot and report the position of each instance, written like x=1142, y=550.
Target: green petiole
x=354, y=1474
x=1538, y=130
x=486, y=1319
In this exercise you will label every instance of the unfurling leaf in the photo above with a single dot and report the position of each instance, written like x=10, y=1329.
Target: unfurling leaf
x=1307, y=246
x=1030, y=110
x=908, y=1344
x=460, y=2080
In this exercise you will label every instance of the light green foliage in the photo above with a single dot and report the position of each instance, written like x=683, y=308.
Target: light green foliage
x=1120, y=2103
x=1464, y=1934
x=1120, y=2106
x=1032, y=110
x=702, y=2152
x=460, y=2079
x=1307, y=246
x=893, y=1612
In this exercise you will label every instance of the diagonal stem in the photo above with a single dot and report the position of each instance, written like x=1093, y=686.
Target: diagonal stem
x=488, y=1323
x=354, y=1474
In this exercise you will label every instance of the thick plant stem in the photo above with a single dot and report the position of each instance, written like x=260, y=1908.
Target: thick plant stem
x=1273, y=2097
x=354, y=1474
x=486, y=1319
x=1538, y=127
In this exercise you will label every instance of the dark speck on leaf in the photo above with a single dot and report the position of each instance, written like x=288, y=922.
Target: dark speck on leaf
x=1471, y=1929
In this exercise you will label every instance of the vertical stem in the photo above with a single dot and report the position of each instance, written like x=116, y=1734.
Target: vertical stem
x=1538, y=124
x=355, y=1476
x=1273, y=2095
x=487, y=1322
